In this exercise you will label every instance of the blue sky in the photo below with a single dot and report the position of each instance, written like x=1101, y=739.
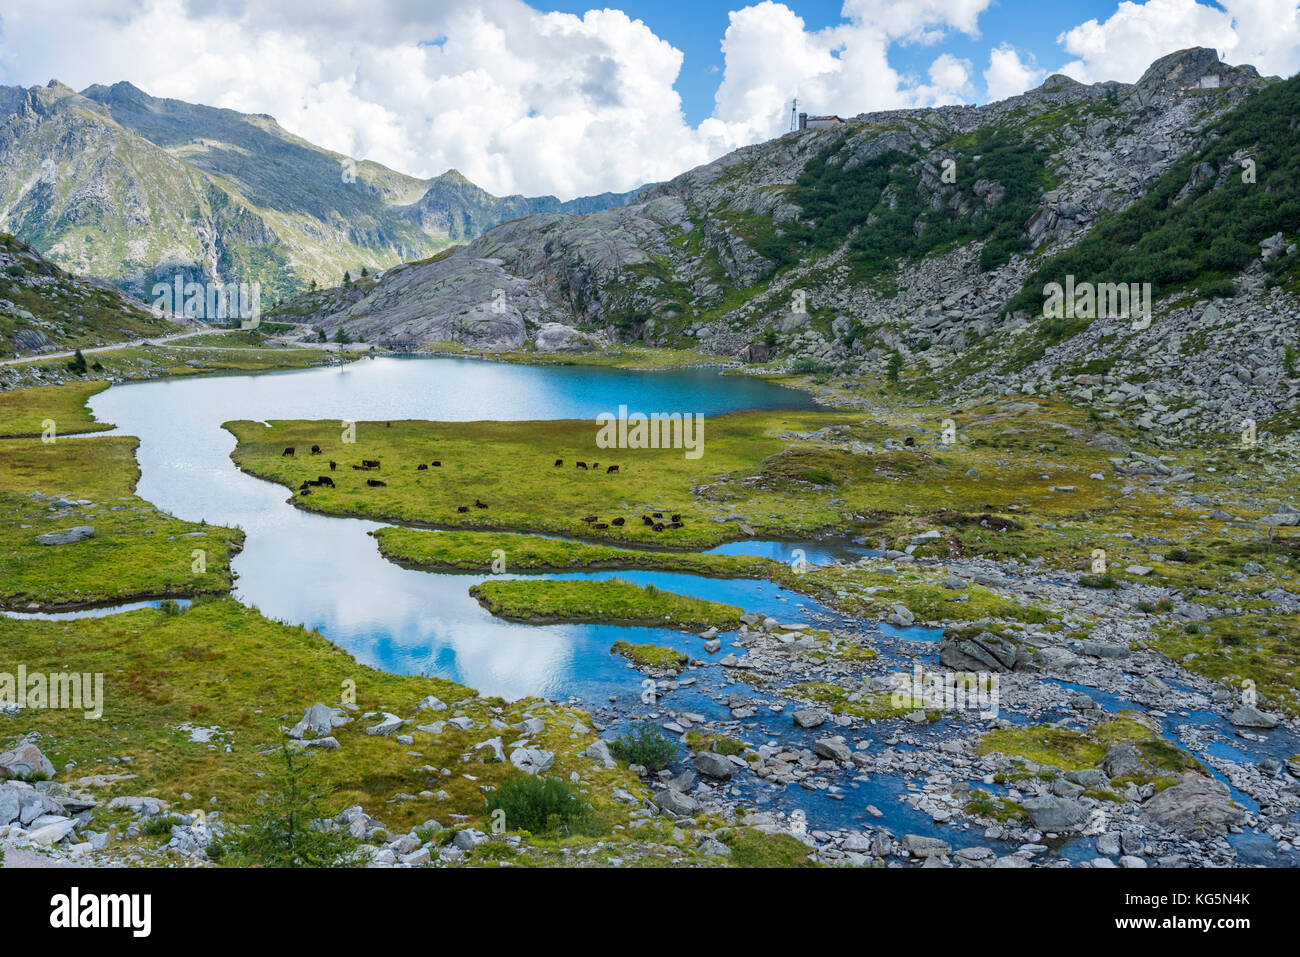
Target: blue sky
x=696, y=28
x=567, y=98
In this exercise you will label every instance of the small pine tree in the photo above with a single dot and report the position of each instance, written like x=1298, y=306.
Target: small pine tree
x=893, y=366
x=347, y=279
x=294, y=828
x=364, y=272
x=341, y=337
x=78, y=364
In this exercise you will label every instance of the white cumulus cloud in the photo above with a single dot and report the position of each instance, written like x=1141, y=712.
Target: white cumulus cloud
x=1009, y=75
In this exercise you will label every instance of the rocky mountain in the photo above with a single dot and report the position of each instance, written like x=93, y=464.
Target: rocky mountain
x=115, y=183
x=923, y=240
x=43, y=308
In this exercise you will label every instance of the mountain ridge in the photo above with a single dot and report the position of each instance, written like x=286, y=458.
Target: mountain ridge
x=115, y=183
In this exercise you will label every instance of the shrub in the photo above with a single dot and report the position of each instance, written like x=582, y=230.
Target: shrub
x=538, y=805
x=645, y=744
x=293, y=828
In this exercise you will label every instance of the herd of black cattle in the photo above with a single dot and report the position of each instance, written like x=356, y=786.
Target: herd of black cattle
x=654, y=520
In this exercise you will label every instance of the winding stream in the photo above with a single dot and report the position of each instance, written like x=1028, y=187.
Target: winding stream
x=327, y=574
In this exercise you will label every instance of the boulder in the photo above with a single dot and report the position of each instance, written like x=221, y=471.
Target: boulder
x=1123, y=759
x=983, y=652
x=714, y=766
x=24, y=760
x=676, y=804
x=78, y=533
x=1250, y=717
x=1052, y=813
x=809, y=718
x=531, y=760
x=1196, y=804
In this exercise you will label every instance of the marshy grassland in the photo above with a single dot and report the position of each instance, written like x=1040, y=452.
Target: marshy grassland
x=612, y=602
x=136, y=551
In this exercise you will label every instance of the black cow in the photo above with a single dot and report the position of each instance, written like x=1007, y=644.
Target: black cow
x=600, y=525
x=582, y=465
x=478, y=504
x=559, y=462
x=909, y=442
x=370, y=463
x=437, y=464
x=422, y=467
x=333, y=465
x=612, y=468
x=462, y=509
x=618, y=522
x=657, y=514
x=375, y=483
x=595, y=465
x=590, y=518
x=288, y=451
x=304, y=491
x=325, y=480
x=677, y=518
x=647, y=519
x=315, y=450
x=674, y=524
x=658, y=526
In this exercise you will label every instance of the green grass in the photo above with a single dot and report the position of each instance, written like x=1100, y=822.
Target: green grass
x=24, y=412
x=1264, y=649
x=474, y=552
x=612, y=602
x=137, y=551
x=1077, y=750
x=220, y=664
x=651, y=656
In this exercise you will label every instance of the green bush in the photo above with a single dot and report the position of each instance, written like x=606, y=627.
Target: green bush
x=537, y=805
x=645, y=744
x=292, y=828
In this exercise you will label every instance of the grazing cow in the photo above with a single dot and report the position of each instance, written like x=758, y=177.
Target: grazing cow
x=462, y=509
x=618, y=522
x=375, y=483
x=315, y=450
x=436, y=464
x=647, y=519
x=589, y=519
x=559, y=462
x=595, y=465
x=674, y=524
x=909, y=442
x=612, y=468
x=422, y=467
x=288, y=451
x=582, y=465
x=478, y=504
x=360, y=468
x=600, y=525
x=333, y=465
x=677, y=518
x=658, y=526
x=656, y=514
x=325, y=480
x=370, y=463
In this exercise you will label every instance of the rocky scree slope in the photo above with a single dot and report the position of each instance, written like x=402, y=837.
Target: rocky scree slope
x=930, y=233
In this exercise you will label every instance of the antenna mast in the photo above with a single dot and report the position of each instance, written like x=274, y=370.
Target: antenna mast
x=794, y=114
